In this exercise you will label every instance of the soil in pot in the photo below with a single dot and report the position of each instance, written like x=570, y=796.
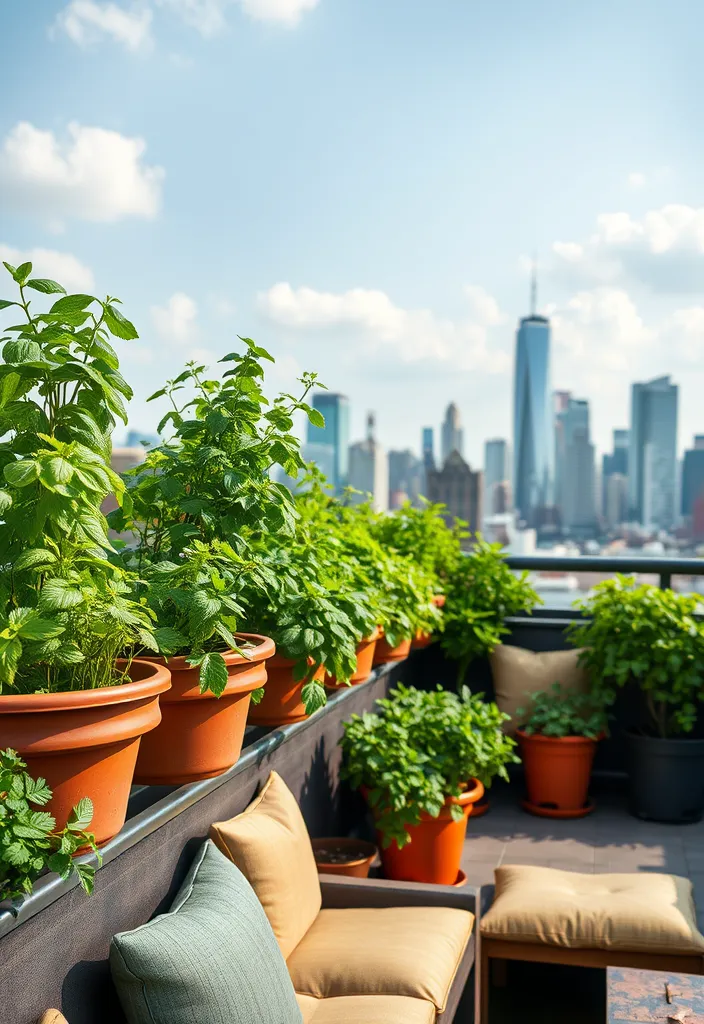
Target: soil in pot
x=201, y=735
x=557, y=773
x=435, y=850
x=85, y=742
x=282, y=703
x=665, y=778
x=342, y=856
x=385, y=652
x=365, y=660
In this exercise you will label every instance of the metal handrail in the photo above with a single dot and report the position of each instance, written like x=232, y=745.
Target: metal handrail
x=664, y=568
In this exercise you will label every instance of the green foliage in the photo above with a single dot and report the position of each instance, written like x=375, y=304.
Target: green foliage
x=419, y=748
x=481, y=594
x=423, y=535
x=205, y=510
x=494, y=749
x=65, y=609
x=641, y=636
x=556, y=713
x=29, y=842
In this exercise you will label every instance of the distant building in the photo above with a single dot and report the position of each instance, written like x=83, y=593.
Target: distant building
x=652, y=454
x=336, y=433
x=616, y=500
x=500, y=499
x=323, y=456
x=614, y=462
x=451, y=434
x=574, y=464
x=369, y=470
x=692, y=476
x=141, y=439
x=406, y=476
x=533, y=420
x=458, y=487
x=497, y=473
x=121, y=460
x=428, y=448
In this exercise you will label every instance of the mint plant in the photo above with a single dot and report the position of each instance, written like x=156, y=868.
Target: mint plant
x=482, y=593
x=556, y=713
x=418, y=749
x=650, y=640
x=423, y=535
x=29, y=843
x=66, y=610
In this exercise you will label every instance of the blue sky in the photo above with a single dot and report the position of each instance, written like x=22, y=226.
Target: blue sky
x=360, y=185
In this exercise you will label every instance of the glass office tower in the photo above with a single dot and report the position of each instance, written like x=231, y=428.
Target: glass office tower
x=652, y=458
x=335, y=434
x=533, y=421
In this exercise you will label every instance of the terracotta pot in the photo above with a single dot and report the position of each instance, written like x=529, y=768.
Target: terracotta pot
x=435, y=849
x=365, y=661
x=85, y=742
x=351, y=857
x=439, y=600
x=557, y=771
x=282, y=702
x=386, y=653
x=200, y=735
x=421, y=640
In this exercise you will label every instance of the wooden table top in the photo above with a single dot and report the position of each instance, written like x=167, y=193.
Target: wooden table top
x=641, y=997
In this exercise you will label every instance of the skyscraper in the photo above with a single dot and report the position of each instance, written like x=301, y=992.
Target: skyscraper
x=614, y=462
x=692, y=476
x=456, y=486
x=428, y=448
x=574, y=461
x=335, y=434
x=406, y=477
x=652, y=454
x=496, y=471
x=451, y=435
x=369, y=469
x=533, y=419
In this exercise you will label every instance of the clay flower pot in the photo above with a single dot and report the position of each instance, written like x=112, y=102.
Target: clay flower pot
x=282, y=702
x=421, y=640
x=386, y=653
x=435, y=850
x=85, y=742
x=351, y=857
x=365, y=662
x=201, y=735
x=557, y=771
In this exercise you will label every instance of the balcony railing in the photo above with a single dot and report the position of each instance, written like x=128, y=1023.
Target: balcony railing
x=664, y=568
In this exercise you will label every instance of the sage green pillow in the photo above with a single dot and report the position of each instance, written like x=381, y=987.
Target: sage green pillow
x=212, y=959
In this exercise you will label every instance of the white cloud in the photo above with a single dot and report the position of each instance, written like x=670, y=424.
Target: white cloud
x=176, y=322
x=87, y=22
x=286, y=12
x=60, y=266
x=600, y=330
x=636, y=179
x=94, y=174
x=409, y=336
x=663, y=249
x=209, y=17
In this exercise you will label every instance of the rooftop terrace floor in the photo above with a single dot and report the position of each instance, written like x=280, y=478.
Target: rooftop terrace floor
x=609, y=840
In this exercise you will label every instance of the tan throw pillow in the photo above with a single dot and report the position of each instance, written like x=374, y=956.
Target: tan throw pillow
x=634, y=913
x=518, y=673
x=269, y=843
x=52, y=1017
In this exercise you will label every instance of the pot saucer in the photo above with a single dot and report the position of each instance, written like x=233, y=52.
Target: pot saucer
x=556, y=812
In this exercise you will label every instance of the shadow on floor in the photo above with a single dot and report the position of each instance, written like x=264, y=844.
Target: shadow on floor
x=545, y=994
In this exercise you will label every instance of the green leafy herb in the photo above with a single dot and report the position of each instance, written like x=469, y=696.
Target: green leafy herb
x=554, y=712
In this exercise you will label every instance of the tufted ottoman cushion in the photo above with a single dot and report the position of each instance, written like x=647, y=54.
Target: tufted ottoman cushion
x=644, y=912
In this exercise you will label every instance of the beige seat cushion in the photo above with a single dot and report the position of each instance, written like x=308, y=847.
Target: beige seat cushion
x=517, y=673
x=366, y=1010
x=52, y=1017
x=394, y=951
x=633, y=913
x=270, y=845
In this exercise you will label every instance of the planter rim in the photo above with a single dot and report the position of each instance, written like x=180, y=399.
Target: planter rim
x=158, y=681
x=679, y=742
x=376, y=634
x=279, y=661
x=263, y=650
x=574, y=741
x=359, y=844
x=473, y=792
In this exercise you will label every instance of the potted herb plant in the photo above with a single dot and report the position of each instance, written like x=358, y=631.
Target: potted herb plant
x=30, y=844
x=198, y=504
x=558, y=743
x=482, y=593
x=344, y=856
x=495, y=750
x=74, y=713
x=412, y=760
x=650, y=642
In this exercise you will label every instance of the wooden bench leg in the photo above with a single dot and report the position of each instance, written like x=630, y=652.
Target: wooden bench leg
x=499, y=973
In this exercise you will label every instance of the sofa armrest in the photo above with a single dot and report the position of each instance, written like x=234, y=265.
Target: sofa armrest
x=486, y=898
x=340, y=892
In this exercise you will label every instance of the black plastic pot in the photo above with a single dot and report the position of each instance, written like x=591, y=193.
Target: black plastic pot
x=666, y=778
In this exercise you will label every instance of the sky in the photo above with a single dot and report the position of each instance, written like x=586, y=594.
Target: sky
x=361, y=186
